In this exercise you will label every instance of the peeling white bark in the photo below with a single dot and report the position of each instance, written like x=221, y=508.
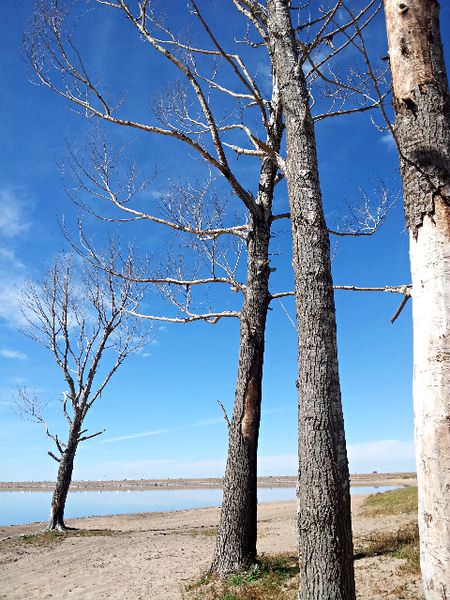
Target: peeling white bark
x=422, y=131
x=430, y=264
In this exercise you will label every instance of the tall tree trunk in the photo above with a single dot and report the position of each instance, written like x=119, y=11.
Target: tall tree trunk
x=64, y=478
x=422, y=132
x=236, y=539
x=324, y=520
x=235, y=548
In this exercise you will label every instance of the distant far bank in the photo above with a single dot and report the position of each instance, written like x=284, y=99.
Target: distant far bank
x=359, y=479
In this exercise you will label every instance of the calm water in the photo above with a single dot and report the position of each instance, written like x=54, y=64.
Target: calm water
x=27, y=507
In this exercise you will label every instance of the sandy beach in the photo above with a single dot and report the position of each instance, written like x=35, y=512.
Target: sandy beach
x=155, y=555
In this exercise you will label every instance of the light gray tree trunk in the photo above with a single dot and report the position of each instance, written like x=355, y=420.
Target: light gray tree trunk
x=422, y=132
x=325, y=537
x=64, y=478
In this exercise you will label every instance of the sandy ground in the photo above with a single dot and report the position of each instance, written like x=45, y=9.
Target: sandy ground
x=154, y=555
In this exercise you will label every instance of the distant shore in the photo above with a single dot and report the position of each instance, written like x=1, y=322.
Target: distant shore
x=360, y=479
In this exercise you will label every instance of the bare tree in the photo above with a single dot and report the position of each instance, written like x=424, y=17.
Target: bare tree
x=422, y=135
x=81, y=316
x=246, y=124
x=188, y=116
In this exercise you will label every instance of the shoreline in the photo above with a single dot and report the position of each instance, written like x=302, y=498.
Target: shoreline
x=156, y=555
x=76, y=523
x=356, y=480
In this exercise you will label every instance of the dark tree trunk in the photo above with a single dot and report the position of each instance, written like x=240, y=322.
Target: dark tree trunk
x=64, y=478
x=236, y=539
x=422, y=132
x=325, y=536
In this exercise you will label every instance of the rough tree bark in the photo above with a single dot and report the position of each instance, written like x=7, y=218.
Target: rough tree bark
x=64, y=478
x=236, y=539
x=235, y=548
x=422, y=133
x=325, y=537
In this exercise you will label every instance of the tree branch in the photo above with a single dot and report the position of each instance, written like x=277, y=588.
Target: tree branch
x=225, y=416
x=213, y=317
x=400, y=308
x=89, y=437
x=404, y=290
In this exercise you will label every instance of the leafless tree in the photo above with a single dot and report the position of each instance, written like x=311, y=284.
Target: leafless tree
x=81, y=315
x=220, y=111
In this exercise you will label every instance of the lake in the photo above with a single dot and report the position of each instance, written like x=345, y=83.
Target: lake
x=18, y=508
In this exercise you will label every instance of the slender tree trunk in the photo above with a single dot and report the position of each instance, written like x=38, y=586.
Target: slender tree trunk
x=422, y=132
x=324, y=520
x=236, y=539
x=64, y=478
x=235, y=548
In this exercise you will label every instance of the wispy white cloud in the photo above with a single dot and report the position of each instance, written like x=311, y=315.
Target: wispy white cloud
x=282, y=464
x=10, y=309
x=365, y=457
x=14, y=214
x=9, y=259
x=15, y=220
x=387, y=140
x=382, y=455
x=13, y=354
x=153, y=432
x=149, y=469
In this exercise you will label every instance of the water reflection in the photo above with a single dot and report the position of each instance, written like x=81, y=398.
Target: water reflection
x=27, y=507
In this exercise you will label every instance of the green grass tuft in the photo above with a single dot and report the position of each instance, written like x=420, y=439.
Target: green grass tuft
x=394, y=502
x=272, y=577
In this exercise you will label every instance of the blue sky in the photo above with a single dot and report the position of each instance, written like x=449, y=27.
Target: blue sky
x=160, y=411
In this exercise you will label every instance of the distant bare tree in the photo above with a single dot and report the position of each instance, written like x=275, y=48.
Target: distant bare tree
x=81, y=316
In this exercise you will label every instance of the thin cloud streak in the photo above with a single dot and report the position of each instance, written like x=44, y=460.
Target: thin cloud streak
x=382, y=455
x=143, y=434
x=13, y=354
x=202, y=423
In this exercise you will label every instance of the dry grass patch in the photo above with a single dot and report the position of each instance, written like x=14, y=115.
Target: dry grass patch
x=202, y=531
x=403, y=543
x=51, y=538
x=394, y=502
x=272, y=578
x=276, y=577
